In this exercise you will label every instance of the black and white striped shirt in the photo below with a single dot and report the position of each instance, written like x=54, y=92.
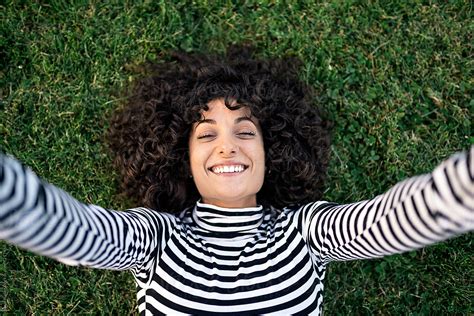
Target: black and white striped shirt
x=255, y=260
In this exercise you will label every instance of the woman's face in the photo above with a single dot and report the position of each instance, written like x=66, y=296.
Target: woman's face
x=227, y=156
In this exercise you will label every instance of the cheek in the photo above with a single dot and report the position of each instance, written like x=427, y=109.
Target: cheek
x=197, y=159
x=194, y=162
x=260, y=157
x=193, y=156
x=262, y=151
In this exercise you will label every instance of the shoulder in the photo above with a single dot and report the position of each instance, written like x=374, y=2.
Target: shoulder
x=304, y=208
x=153, y=217
x=302, y=214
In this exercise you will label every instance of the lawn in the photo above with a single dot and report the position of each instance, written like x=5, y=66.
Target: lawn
x=395, y=76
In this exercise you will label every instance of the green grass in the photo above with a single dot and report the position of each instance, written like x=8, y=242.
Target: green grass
x=396, y=77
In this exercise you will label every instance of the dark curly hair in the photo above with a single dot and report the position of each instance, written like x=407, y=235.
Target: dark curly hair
x=149, y=134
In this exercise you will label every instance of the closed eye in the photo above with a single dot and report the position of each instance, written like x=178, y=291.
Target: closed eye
x=246, y=134
x=205, y=136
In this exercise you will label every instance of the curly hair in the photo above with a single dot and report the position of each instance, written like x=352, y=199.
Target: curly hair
x=149, y=134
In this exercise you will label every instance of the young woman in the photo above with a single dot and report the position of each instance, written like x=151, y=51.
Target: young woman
x=228, y=157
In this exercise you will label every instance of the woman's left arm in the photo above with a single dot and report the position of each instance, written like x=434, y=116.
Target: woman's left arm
x=414, y=213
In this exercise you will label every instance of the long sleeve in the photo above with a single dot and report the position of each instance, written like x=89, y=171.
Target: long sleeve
x=40, y=217
x=414, y=213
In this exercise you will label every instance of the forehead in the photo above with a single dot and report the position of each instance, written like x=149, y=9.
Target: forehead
x=218, y=107
x=218, y=113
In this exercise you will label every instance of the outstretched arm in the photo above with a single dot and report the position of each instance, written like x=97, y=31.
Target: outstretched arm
x=414, y=213
x=39, y=217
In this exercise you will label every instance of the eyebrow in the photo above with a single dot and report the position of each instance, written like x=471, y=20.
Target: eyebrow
x=236, y=121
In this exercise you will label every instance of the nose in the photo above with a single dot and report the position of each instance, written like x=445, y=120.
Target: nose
x=227, y=147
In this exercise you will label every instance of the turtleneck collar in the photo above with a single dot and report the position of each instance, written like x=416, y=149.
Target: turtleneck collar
x=227, y=220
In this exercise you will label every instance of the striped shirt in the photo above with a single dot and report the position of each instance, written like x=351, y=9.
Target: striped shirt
x=213, y=260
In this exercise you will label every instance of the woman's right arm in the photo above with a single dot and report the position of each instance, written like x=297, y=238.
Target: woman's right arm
x=40, y=217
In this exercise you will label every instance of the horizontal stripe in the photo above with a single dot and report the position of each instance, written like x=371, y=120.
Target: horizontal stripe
x=213, y=260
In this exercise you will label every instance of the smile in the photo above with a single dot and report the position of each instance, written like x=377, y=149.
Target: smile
x=228, y=169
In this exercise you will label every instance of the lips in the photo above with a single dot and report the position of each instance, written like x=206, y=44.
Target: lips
x=228, y=168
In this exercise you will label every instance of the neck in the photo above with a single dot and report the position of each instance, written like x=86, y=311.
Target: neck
x=230, y=222
x=241, y=203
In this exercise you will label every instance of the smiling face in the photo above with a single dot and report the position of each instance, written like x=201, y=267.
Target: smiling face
x=227, y=156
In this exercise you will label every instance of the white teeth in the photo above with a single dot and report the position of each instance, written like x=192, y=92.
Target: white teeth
x=228, y=169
